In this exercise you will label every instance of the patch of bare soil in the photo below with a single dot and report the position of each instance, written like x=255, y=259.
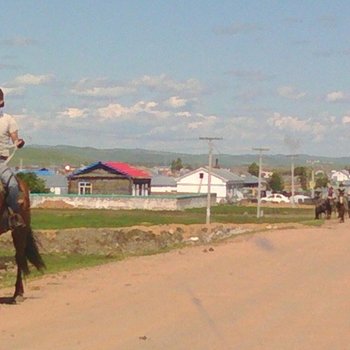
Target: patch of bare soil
x=136, y=239
x=275, y=289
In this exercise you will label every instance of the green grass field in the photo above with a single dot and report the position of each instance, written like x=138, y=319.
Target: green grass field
x=74, y=218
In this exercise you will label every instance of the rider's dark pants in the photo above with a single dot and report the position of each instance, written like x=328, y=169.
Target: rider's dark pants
x=10, y=183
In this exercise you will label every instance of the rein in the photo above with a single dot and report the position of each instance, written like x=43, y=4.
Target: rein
x=13, y=153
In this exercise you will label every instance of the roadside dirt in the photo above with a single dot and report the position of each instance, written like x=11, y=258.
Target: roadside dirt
x=136, y=239
x=275, y=289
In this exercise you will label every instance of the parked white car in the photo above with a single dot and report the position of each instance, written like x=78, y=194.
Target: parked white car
x=275, y=198
x=300, y=198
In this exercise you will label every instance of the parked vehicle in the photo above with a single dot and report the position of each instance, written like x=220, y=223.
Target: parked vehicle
x=300, y=198
x=275, y=198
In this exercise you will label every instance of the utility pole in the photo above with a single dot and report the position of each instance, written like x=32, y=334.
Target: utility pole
x=260, y=150
x=292, y=156
x=312, y=182
x=210, y=164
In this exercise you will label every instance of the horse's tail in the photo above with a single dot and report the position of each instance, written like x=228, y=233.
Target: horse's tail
x=32, y=251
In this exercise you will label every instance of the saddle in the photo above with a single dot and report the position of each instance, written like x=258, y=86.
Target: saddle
x=8, y=219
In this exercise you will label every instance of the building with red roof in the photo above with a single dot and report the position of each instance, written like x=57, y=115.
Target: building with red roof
x=110, y=178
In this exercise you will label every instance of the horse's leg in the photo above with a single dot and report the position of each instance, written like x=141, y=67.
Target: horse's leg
x=19, y=289
x=19, y=238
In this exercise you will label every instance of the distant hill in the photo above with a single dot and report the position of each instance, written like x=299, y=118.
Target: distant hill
x=52, y=156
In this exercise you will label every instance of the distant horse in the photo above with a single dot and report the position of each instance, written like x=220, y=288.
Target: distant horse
x=341, y=205
x=324, y=206
x=23, y=239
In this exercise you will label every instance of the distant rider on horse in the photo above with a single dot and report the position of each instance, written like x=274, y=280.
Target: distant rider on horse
x=9, y=131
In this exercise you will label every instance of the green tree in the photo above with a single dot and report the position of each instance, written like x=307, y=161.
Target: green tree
x=302, y=173
x=35, y=184
x=276, y=182
x=321, y=180
x=176, y=165
x=253, y=169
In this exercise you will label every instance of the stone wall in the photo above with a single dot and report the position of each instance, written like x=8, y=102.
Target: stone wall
x=175, y=202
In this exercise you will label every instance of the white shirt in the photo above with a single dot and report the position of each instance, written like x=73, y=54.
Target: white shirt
x=8, y=125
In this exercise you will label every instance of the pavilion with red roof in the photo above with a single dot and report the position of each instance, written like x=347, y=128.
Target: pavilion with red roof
x=110, y=178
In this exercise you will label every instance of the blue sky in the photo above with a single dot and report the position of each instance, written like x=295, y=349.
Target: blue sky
x=160, y=74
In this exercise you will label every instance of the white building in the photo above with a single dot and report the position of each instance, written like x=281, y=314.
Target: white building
x=340, y=175
x=163, y=184
x=224, y=183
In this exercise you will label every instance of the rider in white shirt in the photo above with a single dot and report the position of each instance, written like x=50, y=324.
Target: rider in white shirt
x=9, y=133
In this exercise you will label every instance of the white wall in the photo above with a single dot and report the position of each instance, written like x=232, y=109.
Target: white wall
x=193, y=184
x=163, y=189
x=166, y=202
x=339, y=176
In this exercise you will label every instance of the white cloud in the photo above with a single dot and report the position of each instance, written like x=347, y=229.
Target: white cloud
x=336, y=96
x=30, y=79
x=118, y=111
x=184, y=114
x=346, y=119
x=288, y=123
x=74, y=113
x=113, y=111
x=290, y=92
x=176, y=102
x=163, y=83
x=160, y=84
x=202, y=122
x=13, y=91
x=112, y=91
x=298, y=126
x=18, y=42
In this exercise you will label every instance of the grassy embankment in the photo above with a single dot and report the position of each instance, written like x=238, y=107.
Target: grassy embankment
x=72, y=218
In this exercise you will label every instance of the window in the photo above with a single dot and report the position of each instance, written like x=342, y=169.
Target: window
x=85, y=188
x=201, y=175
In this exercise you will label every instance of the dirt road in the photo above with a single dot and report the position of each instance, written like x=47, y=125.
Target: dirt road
x=282, y=289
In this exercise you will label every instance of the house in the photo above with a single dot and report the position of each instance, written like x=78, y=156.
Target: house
x=266, y=174
x=340, y=175
x=223, y=182
x=251, y=181
x=54, y=182
x=112, y=178
x=163, y=184
x=251, y=186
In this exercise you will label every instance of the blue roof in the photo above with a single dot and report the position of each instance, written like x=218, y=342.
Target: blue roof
x=38, y=172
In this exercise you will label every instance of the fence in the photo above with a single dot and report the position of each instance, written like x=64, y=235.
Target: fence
x=155, y=202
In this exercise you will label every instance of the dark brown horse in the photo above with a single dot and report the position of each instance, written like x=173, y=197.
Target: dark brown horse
x=341, y=205
x=323, y=206
x=23, y=239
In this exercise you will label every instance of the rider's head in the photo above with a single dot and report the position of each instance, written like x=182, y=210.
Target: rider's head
x=2, y=102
